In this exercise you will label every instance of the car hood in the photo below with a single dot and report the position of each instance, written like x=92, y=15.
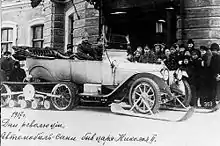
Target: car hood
x=133, y=68
x=141, y=67
x=138, y=67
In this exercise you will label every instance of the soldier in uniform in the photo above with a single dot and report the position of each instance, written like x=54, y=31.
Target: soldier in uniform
x=85, y=51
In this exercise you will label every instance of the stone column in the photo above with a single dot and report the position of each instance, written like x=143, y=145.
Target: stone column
x=170, y=14
x=87, y=22
x=54, y=25
x=201, y=22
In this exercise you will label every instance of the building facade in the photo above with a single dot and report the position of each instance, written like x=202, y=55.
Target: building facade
x=50, y=24
x=57, y=23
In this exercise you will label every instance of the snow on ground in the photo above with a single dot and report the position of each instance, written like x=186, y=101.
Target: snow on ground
x=199, y=130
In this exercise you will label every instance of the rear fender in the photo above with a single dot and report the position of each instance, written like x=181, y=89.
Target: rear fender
x=41, y=72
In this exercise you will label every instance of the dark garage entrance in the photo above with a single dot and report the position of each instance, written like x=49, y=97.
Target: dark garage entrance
x=144, y=23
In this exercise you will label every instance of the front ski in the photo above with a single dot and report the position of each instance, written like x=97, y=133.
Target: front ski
x=116, y=108
x=196, y=110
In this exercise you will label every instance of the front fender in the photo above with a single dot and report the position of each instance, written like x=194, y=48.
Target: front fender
x=159, y=81
x=126, y=84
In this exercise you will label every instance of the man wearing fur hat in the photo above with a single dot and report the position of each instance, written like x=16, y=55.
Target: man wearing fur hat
x=85, y=50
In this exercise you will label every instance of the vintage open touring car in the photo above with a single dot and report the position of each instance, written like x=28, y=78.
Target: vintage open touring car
x=64, y=83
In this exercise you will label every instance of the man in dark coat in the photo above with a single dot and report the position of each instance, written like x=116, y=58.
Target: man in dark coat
x=204, y=75
x=2, y=76
x=7, y=63
x=17, y=74
x=148, y=56
x=85, y=50
x=214, y=72
x=194, y=78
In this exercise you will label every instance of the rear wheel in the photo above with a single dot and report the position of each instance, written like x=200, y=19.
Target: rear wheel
x=144, y=96
x=68, y=96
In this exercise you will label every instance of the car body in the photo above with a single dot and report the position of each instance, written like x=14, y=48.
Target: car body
x=113, y=79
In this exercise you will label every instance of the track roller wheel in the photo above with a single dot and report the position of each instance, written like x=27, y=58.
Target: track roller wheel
x=47, y=104
x=35, y=104
x=25, y=104
x=12, y=103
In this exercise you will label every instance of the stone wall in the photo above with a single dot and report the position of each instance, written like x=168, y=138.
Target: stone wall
x=22, y=15
x=201, y=22
x=54, y=25
x=87, y=22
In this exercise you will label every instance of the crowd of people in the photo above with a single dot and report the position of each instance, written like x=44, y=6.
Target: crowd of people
x=202, y=65
x=10, y=69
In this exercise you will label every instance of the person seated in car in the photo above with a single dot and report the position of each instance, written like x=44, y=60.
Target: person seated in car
x=99, y=49
x=85, y=51
x=148, y=56
x=69, y=51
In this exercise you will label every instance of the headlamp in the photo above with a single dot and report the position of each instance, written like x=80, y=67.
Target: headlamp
x=165, y=74
x=28, y=91
x=179, y=74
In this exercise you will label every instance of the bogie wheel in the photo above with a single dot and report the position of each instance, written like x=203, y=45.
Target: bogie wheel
x=12, y=103
x=144, y=96
x=35, y=104
x=5, y=95
x=25, y=104
x=68, y=96
x=47, y=104
x=185, y=99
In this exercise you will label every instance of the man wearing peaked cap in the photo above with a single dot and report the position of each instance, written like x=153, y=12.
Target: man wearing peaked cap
x=7, y=63
x=215, y=72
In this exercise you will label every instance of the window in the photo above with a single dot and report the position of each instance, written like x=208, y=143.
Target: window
x=6, y=39
x=159, y=26
x=70, y=37
x=69, y=28
x=37, y=40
